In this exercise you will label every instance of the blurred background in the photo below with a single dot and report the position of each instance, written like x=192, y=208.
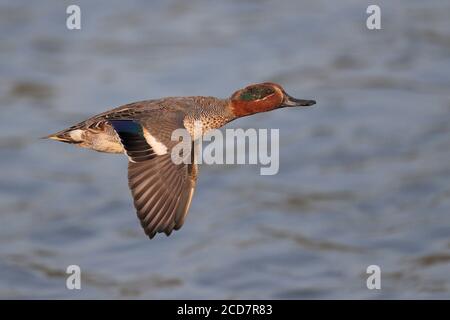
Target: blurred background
x=364, y=175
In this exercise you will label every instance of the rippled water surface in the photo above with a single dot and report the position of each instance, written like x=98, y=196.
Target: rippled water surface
x=364, y=176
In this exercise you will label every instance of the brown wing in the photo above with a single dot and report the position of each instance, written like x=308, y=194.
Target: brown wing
x=162, y=190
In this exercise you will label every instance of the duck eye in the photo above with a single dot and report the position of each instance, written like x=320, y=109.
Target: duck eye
x=256, y=93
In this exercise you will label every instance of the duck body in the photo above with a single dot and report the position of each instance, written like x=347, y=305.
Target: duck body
x=162, y=190
x=158, y=118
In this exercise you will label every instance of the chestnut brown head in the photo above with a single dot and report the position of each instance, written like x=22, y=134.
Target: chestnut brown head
x=263, y=97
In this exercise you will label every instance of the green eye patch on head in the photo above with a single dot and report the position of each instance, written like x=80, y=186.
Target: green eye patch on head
x=256, y=93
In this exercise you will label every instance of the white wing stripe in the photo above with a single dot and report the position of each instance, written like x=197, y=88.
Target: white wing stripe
x=158, y=147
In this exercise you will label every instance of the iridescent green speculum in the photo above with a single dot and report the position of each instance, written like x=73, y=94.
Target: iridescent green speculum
x=256, y=93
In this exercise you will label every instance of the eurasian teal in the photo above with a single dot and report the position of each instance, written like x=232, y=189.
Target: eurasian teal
x=162, y=190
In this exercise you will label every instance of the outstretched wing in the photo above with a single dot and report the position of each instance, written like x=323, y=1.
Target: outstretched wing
x=162, y=190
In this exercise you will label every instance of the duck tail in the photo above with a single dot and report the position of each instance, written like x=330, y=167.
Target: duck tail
x=67, y=136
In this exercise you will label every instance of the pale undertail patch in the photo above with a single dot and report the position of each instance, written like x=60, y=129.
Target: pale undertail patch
x=76, y=135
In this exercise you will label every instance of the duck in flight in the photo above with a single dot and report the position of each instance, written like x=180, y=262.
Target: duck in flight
x=162, y=190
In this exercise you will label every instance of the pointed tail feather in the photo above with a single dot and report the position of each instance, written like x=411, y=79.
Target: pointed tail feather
x=67, y=136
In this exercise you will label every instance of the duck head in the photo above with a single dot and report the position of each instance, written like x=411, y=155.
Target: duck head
x=263, y=97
